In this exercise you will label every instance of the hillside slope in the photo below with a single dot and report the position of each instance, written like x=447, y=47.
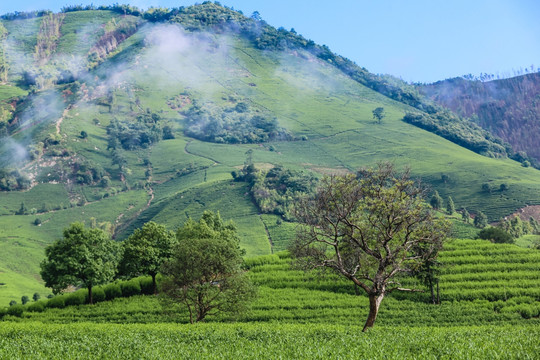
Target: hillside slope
x=509, y=108
x=127, y=120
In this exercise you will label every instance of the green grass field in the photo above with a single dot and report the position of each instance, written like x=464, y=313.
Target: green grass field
x=266, y=341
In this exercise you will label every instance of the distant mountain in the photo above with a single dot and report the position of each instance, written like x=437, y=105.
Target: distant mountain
x=509, y=108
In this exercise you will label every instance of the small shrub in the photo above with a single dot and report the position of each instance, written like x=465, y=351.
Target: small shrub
x=76, y=298
x=57, y=302
x=112, y=291
x=98, y=294
x=527, y=311
x=12, y=303
x=15, y=310
x=3, y=312
x=496, y=235
x=38, y=306
x=147, y=286
x=130, y=288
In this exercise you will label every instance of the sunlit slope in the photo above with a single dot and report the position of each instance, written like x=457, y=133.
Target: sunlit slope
x=328, y=115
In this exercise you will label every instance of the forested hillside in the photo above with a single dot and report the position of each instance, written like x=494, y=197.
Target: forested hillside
x=508, y=108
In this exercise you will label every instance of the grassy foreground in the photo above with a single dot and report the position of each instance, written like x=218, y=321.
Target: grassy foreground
x=264, y=341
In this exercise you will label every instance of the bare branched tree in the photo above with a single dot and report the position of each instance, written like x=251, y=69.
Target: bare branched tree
x=368, y=228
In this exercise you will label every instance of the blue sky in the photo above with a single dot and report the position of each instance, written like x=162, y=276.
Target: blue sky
x=416, y=40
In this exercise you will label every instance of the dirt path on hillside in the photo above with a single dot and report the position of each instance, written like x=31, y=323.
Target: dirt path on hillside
x=128, y=222
x=59, y=121
x=201, y=156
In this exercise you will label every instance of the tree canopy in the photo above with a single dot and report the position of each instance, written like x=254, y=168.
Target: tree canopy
x=83, y=256
x=379, y=114
x=146, y=250
x=480, y=220
x=204, y=273
x=369, y=228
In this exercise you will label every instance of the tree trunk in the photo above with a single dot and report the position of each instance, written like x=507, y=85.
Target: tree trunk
x=438, y=295
x=374, y=303
x=154, y=283
x=90, y=298
x=432, y=292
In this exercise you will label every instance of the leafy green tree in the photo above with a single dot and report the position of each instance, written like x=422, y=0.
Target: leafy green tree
x=119, y=159
x=22, y=210
x=480, y=220
x=535, y=226
x=369, y=229
x=487, y=187
x=496, y=235
x=83, y=256
x=25, y=299
x=450, y=207
x=465, y=216
x=36, y=297
x=436, y=201
x=146, y=250
x=379, y=114
x=428, y=273
x=12, y=303
x=204, y=272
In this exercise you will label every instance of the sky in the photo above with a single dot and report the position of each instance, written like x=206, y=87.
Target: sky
x=416, y=40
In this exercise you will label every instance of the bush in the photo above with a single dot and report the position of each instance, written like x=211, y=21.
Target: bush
x=495, y=235
x=130, y=288
x=112, y=291
x=98, y=294
x=147, y=286
x=38, y=306
x=57, y=302
x=15, y=310
x=527, y=311
x=76, y=298
x=3, y=312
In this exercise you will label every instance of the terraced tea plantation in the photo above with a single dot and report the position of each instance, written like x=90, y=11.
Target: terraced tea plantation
x=489, y=309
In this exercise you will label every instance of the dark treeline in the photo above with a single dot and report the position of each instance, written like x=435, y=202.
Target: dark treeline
x=242, y=122
x=276, y=191
x=461, y=132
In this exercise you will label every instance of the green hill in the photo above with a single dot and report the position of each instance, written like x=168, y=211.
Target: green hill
x=119, y=120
